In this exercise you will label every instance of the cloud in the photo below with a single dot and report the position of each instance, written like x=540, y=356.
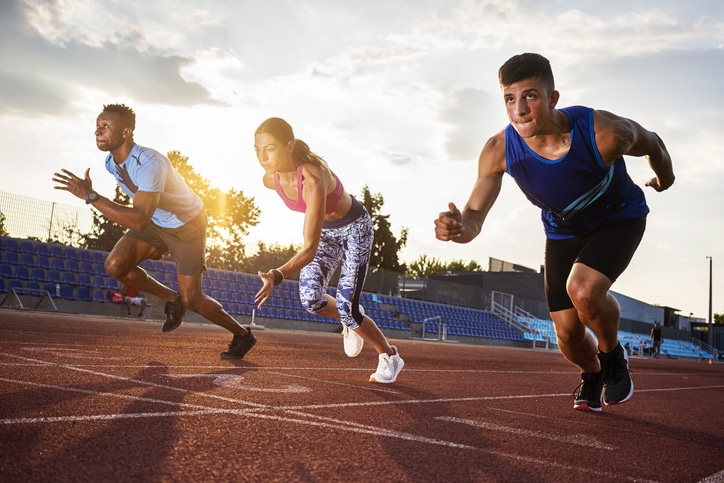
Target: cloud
x=45, y=73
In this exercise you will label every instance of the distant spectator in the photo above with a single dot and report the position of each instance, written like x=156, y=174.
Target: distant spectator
x=657, y=338
x=134, y=297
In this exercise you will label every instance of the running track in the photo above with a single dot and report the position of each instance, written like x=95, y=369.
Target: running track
x=106, y=399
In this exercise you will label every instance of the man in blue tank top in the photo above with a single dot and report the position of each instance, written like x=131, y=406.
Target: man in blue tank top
x=165, y=216
x=569, y=162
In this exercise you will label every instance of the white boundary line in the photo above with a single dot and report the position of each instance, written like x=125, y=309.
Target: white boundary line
x=262, y=411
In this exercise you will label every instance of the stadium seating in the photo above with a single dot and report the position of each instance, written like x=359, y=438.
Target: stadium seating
x=6, y=271
x=13, y=258
x=43, y=261
x=42, y=250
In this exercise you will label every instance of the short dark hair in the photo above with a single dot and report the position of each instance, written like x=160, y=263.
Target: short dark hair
x=126, y=114
x=526, y=66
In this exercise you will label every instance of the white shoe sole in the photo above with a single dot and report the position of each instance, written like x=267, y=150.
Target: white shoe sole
x=378, y=378
x=353, y=343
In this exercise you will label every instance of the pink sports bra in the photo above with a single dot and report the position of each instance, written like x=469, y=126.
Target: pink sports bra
x=299, y=205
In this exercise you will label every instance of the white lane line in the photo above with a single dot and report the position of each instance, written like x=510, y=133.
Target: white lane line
x=343, y=425
x=575, y=439
x=145, y=383
x=234, y=381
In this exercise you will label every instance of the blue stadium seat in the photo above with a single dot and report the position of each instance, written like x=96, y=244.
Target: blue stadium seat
x=39, y=275
x=28, y=259
x=84, y=279
x=147, y=264
x=43, y=262
x=32, y=287
x=22, y=272
x=72, y=265
x=12, y=258
x=69, y=278
x=99, y=282
x=57, y=251
x=87, y=267
x=84, y=256
x=50, y=288
x=84, y=293
x=27, y=247
x=112, y=283
x=15, y=284
x=54, y=276
x=99, y=296
x=11, y=245
x=3, y=288
x=99, y=257
x=41, y=249
x=67, y=292
x=58, y=263
x=6, y=270
x=99, y=269
x=71, y=253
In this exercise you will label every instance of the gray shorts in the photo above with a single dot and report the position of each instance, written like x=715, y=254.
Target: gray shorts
x=186, y=244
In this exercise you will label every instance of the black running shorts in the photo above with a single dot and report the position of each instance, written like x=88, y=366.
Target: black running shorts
x=608, y=250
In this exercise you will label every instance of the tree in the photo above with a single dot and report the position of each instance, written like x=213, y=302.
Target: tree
x=3, y=230
x=423, y=266
x=230, y=216
x=717, y=319
x=268, y=257
x=386, y=246
x=105, y=233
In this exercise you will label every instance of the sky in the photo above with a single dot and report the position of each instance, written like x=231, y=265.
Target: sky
x=396, y=95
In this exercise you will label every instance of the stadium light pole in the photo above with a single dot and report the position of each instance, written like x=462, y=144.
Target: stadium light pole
x=711, y=325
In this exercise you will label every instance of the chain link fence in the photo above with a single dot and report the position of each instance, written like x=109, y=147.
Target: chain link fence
x=24, y=217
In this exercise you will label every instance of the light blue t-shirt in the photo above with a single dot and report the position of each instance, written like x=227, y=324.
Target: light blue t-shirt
x=148, y=170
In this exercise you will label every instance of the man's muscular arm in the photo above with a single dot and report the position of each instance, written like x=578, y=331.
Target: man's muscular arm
x=135, y=217
x=617, y=136
x=453, y=225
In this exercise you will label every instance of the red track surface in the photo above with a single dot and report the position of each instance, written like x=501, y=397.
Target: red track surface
x=93, y=399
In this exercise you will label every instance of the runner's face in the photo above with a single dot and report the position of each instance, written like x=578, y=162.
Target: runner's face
x=109, y=131
x=528, y=104
x=273, y=156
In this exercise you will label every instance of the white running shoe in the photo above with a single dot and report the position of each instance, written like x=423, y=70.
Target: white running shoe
x=353, y=343
x=388, y=368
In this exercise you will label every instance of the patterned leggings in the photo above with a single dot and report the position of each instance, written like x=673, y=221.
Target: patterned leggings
x=351, y=246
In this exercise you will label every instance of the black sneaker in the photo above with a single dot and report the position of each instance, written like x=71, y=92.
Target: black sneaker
x=587, y=396
x=617, y=384
x=174, y=313
x=240, y=345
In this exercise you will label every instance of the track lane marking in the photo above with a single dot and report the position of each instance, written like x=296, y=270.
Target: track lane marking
x=574, y=439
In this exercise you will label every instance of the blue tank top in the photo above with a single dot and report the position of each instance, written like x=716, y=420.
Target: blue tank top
x=577, y=193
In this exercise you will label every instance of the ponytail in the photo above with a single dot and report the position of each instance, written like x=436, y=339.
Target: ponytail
x=303, y=155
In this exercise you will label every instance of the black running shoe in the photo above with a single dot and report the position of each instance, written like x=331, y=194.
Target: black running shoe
x=240, y=345
x=174, y=314
x=587, y=396
x=617, y=384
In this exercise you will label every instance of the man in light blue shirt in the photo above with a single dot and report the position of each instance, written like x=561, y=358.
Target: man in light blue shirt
x=166, y=216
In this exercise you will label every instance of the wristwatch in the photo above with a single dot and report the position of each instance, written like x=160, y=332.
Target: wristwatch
x=91, y=197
